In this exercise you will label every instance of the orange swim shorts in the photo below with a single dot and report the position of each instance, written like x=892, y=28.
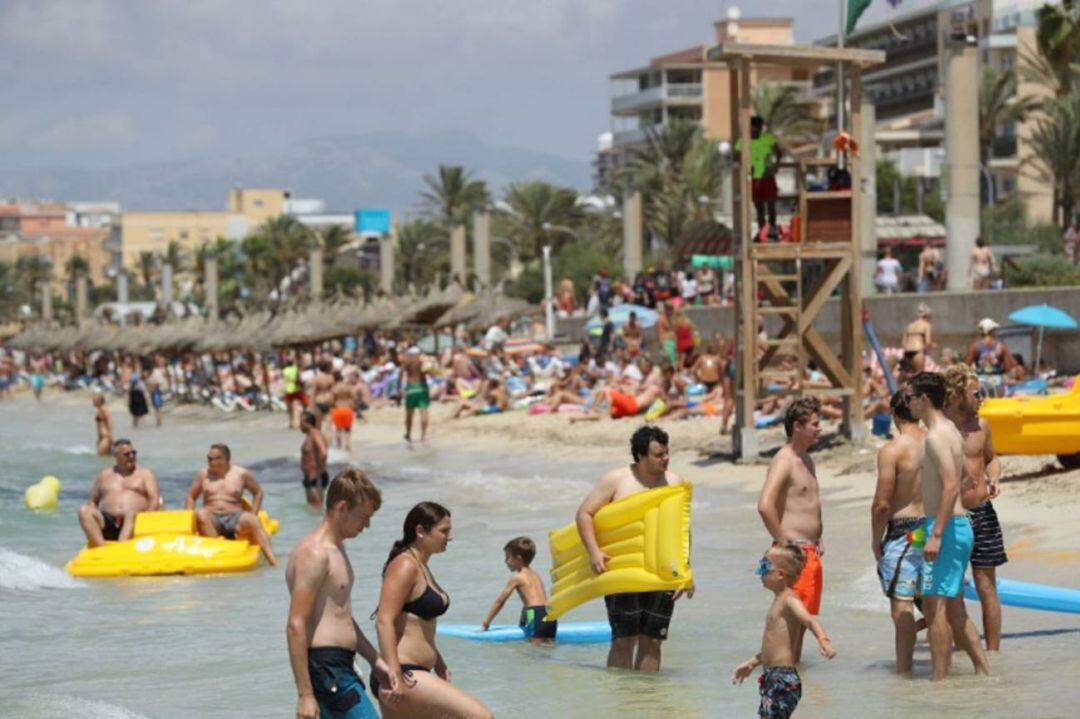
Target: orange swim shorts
x=623, y=404
x=809, y=584
x=343, y=417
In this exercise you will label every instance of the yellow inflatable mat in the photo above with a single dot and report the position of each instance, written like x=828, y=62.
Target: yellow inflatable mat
x=647, y=536
x=166, y=543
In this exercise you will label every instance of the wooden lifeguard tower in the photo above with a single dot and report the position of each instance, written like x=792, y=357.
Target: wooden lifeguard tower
x=769, y=276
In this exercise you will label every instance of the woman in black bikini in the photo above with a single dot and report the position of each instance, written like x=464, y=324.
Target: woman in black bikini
x=409, y=605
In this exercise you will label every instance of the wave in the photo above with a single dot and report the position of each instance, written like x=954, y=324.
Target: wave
x=864, y=593
x=75, y=449
x=21, y=573
x=52, y=706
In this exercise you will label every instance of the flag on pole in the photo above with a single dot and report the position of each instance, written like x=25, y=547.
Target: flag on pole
x=855, y=9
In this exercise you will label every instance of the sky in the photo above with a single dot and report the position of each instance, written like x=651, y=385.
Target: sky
x=102, y=83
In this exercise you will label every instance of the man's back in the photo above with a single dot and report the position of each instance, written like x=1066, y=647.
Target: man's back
x=905, y=453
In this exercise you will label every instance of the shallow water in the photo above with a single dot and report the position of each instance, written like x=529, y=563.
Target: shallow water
x=215, y=646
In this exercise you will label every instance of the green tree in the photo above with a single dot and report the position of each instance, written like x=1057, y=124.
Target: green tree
x=787, y=114
x=147, y=264
x=453, y=194
x=998, y=106
x=334, y=239
x=76, y=265
x=422, y=254
x=176, y=256
x=271, y=254
x=33, y=270
x=579, y=260
x=539, y=214
x=1055, y=146
x=1057, y=36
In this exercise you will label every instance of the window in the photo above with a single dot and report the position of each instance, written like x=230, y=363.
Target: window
x=183, y=234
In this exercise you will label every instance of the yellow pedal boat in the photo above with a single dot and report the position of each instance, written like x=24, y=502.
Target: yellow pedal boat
x=1037, y=425
x=166, y=543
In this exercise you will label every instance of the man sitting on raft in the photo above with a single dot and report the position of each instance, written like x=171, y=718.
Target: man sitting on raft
x=639, y=620
x=222, y=486
x=117, y=495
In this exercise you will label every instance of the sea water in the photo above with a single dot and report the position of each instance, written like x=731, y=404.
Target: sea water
x=214, y=646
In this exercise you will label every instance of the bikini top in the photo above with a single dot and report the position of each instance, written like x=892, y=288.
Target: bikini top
x=430, y=604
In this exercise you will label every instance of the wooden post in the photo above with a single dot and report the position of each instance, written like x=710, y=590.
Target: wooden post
x=746, y=302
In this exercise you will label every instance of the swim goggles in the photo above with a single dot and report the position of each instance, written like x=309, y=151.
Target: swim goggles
x=764, y=566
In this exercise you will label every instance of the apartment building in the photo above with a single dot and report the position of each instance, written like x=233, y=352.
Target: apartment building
x=57, y=232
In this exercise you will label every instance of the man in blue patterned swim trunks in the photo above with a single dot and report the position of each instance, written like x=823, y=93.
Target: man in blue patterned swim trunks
x=896, y=522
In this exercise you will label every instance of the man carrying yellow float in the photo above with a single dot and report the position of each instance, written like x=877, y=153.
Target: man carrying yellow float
x=223, y=514
x=639, y=620
x=117, y=495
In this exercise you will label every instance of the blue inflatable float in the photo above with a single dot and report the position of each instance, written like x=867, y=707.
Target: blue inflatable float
x=569, y=632
x=1032, y=596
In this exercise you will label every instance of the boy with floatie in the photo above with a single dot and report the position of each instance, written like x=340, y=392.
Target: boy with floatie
x=520, y=552
x=785, y=622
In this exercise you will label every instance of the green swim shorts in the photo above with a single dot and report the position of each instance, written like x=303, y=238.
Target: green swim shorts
x=416, y=396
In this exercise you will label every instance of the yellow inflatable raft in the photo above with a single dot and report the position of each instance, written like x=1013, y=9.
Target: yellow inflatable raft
x=166, y=543
x=1037, y=425
x=647, y=536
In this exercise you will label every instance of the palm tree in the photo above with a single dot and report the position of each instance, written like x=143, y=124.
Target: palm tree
x=422, y=253
x=538, y=215
x=278, y=247
x=786, y=113
x=334, y=238
x=147, y=263
x=453, y=194
x=1057, y=37
x=998, y=105
x=1055, y=146
x=76, y=265
x=33, y=270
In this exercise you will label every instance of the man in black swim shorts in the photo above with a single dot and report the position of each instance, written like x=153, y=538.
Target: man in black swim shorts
x=313, y=453
x=639, y=620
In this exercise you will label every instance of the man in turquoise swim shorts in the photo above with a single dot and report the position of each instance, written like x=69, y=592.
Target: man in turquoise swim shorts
x=416, y=392
x=949, y=538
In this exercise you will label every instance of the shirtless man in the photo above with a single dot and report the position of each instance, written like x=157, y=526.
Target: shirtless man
x=979, y=485
x=313, y=459
x=790, y=501
x=321, y=391
x=103, y=422
x=897, y=512
x=918, y=339
x=222, y=486
x=981, y=267
x=322, y=635
x=949, y=538
x=639, y=620
x=117, y=495
x=344, y=412
x=929, y=269
x=633, y=335
x=417, y=396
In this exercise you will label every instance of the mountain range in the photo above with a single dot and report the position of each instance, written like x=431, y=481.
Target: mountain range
x=382, y=169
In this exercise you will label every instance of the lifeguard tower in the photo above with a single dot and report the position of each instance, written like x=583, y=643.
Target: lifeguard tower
x=770, y=291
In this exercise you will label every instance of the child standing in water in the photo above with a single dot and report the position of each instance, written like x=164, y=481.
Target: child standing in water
x=530, y=587
x=781, y=687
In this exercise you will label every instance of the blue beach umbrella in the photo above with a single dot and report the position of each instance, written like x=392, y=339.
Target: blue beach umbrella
x=620, y=315
x=1043, y=316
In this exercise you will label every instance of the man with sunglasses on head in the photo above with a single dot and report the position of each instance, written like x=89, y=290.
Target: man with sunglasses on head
x=223, y=514
x=117, y=495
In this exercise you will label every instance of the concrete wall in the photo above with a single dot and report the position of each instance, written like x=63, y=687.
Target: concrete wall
x=955, y=317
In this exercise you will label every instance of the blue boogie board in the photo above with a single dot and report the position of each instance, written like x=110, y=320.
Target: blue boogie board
x=569, y=632
x=1032, y=596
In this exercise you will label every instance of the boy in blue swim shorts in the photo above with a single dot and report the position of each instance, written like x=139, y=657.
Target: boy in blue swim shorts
x=949, y=539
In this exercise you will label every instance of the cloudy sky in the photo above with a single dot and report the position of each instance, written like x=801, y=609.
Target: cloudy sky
x=113, y=82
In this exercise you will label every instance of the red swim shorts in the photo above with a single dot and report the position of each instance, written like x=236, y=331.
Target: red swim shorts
x=343, y=417
x=764, y=189
x=623, y=404
x=809, y=584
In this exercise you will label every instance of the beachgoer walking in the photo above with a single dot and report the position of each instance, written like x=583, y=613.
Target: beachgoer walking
x=295, y=400
x=639, y=620
x=157, y=383
x=103, y=423
x=665, y=331
x=790, y=502
x=313, y=452
x=322, y=398
x=980, y=485
x=221, y=485
x=410, y=603
x=931, y=269
x=982, y=265
x=889, y=271
x=323, y=637
x=118, y=493
x=417, y=395
x=343, y=413
x=896, y=516
x=785, y=623
x=918, y=338
x=684, y=337
x=949, y=538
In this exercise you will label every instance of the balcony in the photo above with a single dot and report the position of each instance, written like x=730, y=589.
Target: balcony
x=670, y=94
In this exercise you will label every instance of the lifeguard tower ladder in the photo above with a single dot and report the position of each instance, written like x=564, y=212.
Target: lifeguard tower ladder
x=775, y=272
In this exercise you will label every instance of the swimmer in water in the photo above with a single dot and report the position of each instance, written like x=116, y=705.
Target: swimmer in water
x=313, y=453
x=103, y=422
x=519, y=553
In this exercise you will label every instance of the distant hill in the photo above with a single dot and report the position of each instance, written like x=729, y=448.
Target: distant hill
x=371, y=170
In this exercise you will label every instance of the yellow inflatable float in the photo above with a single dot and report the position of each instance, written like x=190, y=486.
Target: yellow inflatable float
x=1037, y=425
x=43, y=495
x=166, y=543
x=647, y=536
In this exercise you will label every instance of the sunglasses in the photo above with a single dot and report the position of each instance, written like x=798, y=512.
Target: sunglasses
x=213, y=458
